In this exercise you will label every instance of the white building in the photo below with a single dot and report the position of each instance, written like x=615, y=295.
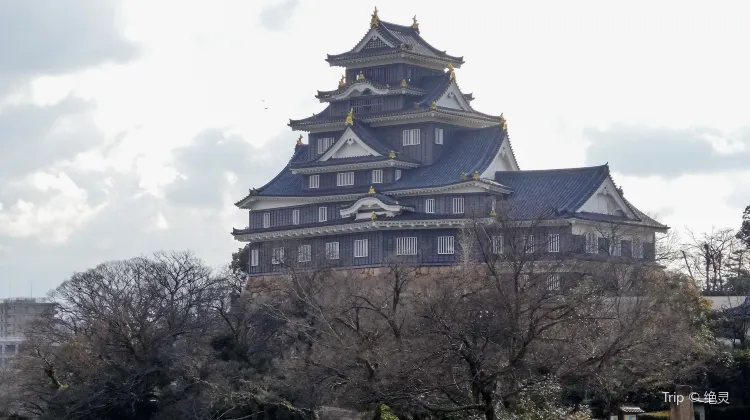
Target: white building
x=15, y=313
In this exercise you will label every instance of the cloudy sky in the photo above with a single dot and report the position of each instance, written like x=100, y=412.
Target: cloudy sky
x=128, y=127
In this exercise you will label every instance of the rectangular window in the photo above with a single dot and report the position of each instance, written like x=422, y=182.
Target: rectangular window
x=314, y=181
x=429, y=205
x=344, y=178
x=553, y=243
x=324, y=144
x=406, y=246
x=410, y=137
x=304, y=253
x=332, y=250
x=322, y=214
x=553, y=282
x=528, y=243
x=254, y=257
x=637, y=248
x=616, y=248
x=295, y=216
x=523, y=280
x=438, y=136
x=458, y=205
x=398, y=174
x=377, y=176
x=497, y=244
x=360, y=248
x=266, y=220
x=445, y=245
x=278, y=256
x=592, y=243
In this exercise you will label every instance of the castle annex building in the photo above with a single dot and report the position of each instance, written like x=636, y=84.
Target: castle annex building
x=399, y=160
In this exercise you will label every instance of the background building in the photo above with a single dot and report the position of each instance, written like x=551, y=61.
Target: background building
x=15, y=313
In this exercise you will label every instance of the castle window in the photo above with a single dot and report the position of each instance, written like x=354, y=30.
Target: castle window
x=322, y=214
x=360, y=248
x=344, y=179
x=254, y=257
x=304, y=253
x=266, y=220
x=592, y=243
x=406, y=246
x=398, y=174
x=410, y=137
x=553, y=282
x=637, y=248
x=278, y=256
x=523, y=280
x=553, y=243
x=314, y=181
x=332, y=250
x=528, y=244
x=438, y=136
x=458, y=205
x=324, y=143
x=429, y=205
x=497, y=244
x=295, y=216
x=377, y=176
x=617, y=248
x=445, y=245
x=365, y=105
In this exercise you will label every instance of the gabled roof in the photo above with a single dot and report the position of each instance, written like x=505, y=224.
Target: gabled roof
x=331, y=95
x=405, y=39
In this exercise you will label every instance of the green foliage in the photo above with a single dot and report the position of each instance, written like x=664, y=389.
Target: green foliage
x=656, y=415
x=384, y=413
x=542, y=402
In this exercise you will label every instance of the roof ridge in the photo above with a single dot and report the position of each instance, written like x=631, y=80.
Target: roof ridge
x=570, y=169
x=595, y=180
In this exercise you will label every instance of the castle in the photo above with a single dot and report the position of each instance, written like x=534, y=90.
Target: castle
x=399, y=161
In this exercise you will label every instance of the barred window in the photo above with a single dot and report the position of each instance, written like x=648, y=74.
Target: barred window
x=266, y=220
x=322, y=214
x=377, y=176
x=344, y=178
x=314, y=181
x=254, y=257
x=553, y=243
x=553, y=282
x=295, y=216
x=637, y=248
x=278, y=256
x=398, y=174
x=410, y=137
x=438, y=136
x=324, y=143
x=528, y=243
x=616, y=248
x=406, y=246
x=497, y=244
x=332, y=250
x=375, y=42
x=523, y=280
x=458, y=205
x=365, y=105
x=429, y=205
x=360, y=248
x=592, y=243
x=445, y=245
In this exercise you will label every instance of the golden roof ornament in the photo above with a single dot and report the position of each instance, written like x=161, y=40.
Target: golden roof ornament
x=415, y=24
x=360, y=76
x=475, y=177
x=374, y=216
x=392, y=155
x=492, y=212
x=350, y=117
x=372, y=190
x=433, y=105
x=463, y=177
x=452, y=71
x=342, y=82
x=374, y=20
x=403, y=83
x=299, y=140
x=503, y=122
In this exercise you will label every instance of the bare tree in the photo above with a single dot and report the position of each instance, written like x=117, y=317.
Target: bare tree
x=708, y=257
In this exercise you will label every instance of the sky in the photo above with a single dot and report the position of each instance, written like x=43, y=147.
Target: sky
x=128, y=127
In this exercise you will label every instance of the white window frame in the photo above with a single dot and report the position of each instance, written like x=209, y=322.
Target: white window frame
x=592, y=243
x=322, y=214
x=324, y=143
x=528, y=244
x=277, y=256
x=458, y=205
x=397, y=174
x=553, y=282
x=439, y=135
x=295, y=216
x=344, y=179
x=361, y=248
x=406, y=245
x=553, y=242
x=497, y=244
x=445, y=245
x=616, y=247
x=429, y=205
x=266, y=220
x=637, y=248
x=254, y=257
x=314, y=181
x=411, y=137
x=304, y=253
x=377, y=176
x=523, y=279
x=332, y=250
